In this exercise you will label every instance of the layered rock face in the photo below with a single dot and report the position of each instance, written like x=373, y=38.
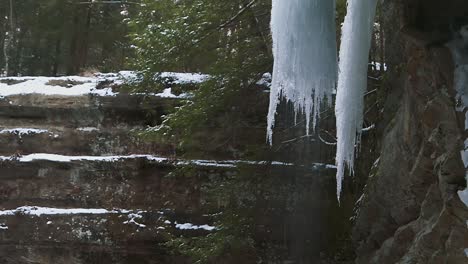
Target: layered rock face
x=410, y=211
x=77, y=186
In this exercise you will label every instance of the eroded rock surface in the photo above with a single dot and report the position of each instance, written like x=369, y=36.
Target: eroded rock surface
x=410, y=211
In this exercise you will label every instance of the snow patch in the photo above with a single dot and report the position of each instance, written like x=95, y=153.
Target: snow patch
x=265, y=80
x=189, y=226
x=39, y=211
x=167, y=93
x=378, y=66
x=79, y=86
x=63, y=158
x=87, y=129
x=23, y=131
x=132, y=219
x=184, y=78
x=69, y=86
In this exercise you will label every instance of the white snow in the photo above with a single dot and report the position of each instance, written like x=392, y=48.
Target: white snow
x=167, y=93
x=41, y=85
x=460, y=56
x=132, y=219
x=189, y=226
x=265, y=80
x=378, y=66
x=205, y=163
x=23, y=131
x=304, y=49
x=78, y=85
x=184, y=78
x=39, y=211
x=181, y=162
x=352, y=82
x=63, y=158
x=87, y=129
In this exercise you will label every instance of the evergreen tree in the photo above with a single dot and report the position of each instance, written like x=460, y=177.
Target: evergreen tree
x=227, y=39
x=55, y=37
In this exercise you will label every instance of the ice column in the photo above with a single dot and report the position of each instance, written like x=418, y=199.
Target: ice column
x=352, y=82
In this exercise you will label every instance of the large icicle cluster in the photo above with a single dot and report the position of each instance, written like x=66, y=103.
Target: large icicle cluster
x=304, y=48
x=352, y=82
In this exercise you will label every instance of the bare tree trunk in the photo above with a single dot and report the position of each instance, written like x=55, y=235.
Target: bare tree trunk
x=72, y=63
x=79, y=42
x=58, y=49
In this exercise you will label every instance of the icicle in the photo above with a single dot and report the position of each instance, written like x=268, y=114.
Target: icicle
x=352, y=82
x=304, y=48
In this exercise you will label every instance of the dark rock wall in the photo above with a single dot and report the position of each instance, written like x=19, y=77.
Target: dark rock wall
x=410, y=211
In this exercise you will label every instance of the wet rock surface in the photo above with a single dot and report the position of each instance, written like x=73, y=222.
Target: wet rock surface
x=410, y=211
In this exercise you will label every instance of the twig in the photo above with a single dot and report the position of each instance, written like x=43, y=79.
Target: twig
x=296, y=139
x=326, y=142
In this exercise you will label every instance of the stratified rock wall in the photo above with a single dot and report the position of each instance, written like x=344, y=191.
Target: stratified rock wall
x=410, y=211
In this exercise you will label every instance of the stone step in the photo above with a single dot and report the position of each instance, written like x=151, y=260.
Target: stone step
x=112, y=181
x=77, y=141
x=95, y=235
x=84, y=110
x=94, y=181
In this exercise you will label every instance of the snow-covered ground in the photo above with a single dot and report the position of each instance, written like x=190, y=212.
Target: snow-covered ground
x=66, y=86
x=78, y=85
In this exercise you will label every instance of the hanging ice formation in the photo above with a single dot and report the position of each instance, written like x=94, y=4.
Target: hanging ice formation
x=305, y=69
x=304, y=49
x=352, y=82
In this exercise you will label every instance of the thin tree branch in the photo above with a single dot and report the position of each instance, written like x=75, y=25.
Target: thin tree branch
x=107, y=2
x=242, y=11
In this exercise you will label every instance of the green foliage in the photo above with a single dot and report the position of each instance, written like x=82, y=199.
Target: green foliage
x=232, y=237
x=198, y=35
x=227, y=40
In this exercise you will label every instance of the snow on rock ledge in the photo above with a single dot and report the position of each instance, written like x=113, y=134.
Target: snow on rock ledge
x=78, y=85
x=39, y=211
